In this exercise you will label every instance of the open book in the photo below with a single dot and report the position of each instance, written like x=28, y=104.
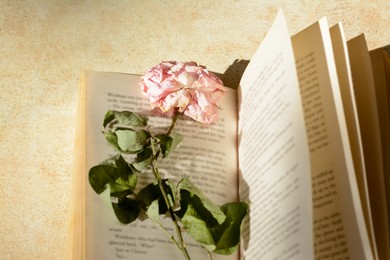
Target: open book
x=303, y=139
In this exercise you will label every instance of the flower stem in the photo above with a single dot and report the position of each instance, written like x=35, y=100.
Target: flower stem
x=169, y=235
x=174, y=119
x=180, y=244
x=172, y=214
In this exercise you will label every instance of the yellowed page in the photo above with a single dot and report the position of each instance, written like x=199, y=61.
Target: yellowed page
x=273, y=154
x=339, y=226
x=347, y=92
x=208, y=156
x=370, y=129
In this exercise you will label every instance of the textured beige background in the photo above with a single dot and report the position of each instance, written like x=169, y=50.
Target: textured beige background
x=44, y=45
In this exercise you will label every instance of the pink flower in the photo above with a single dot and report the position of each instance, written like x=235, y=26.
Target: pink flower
x=184, y=86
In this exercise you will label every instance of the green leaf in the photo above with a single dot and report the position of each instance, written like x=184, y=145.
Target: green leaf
x=123, y=187
x=153, y=212
x=143, y=159
x=109, y=171
x=106, y=198
x=220, y=238
x=124, y=118
x=195, y=224
x=129, y=180
x=130, y=141
x=171, y=193
x=151, y=192
x=148, y=194
x=169, y=142
x=118, y=190
x=176, y=140
x=227, y=236
x=213, y=209
x=126, y=210
x=165, y=144
x=112, y=139
x=216, y=228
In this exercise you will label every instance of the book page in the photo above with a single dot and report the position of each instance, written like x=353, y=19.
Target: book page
x=366, y=101
x=340, y=51
x=386, y=61
x=339, y=227
x=382, y=90
x=208, y=155
x=273, y=154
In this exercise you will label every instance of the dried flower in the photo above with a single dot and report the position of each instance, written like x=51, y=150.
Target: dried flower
x=185, y=86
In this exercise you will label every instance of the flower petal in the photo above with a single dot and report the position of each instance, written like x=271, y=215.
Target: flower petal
x=185, y=86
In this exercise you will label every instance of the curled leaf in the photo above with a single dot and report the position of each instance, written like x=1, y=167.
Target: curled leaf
x=218, y=229
x=196, y=222
x=126, y=210
x=143, y=159
x=153, y=212
x=124, y=118
x=186, y=185
x=112, y=170
x=169, y=142
x=130, y=141
x=151, y=192
x=227, y=236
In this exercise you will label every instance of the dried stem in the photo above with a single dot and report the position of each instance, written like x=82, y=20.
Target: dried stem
x=180, y=244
